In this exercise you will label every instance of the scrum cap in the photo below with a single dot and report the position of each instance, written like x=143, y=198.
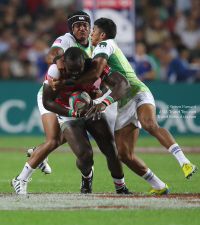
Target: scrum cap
x=76, y=17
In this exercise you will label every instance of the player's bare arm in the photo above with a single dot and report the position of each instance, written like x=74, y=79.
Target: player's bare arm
x=91, y=74
x=55, y=56
x=120, y=87
x=99, y=92
x=49, y=97
x=94, y=72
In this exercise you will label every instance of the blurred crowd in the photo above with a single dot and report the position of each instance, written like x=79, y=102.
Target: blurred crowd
x=27, y=29
x=167, y=38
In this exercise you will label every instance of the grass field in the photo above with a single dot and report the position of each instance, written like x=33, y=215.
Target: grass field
x=65, y=179
x=145, y=141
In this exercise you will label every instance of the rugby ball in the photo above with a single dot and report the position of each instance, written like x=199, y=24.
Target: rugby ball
x=78, y=99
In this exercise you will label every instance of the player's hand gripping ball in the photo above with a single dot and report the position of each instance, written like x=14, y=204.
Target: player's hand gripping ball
x=78, y=99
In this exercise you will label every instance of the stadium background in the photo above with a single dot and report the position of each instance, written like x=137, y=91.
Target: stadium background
x=152, y=35
x=155, y=36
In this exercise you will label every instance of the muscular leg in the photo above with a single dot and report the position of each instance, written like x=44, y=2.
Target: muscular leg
x=54, y=138
x=125, y=139
x=101, y=132
x=79, y=143
x=147, y=117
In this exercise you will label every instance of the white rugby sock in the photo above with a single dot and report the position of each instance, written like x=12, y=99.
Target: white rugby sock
x=176, y=151
x=119, y=182
x=153, y=180
x=26, y=172
x=88, y=176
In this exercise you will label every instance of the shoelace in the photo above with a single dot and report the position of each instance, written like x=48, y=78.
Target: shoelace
x=29, y=180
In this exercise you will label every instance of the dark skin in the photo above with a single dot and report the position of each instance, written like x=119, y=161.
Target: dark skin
x=96, y=68
x=78, y=139
x=92, y=74
x=120, y=87
x=54, y=136
x=146, y=115
x=81, y=31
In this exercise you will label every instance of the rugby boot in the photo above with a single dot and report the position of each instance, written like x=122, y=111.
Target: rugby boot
x=162, y=191
x=189, y=169
x=44, y=166
x=124, y=191
x=86, y=184
x=19, y=186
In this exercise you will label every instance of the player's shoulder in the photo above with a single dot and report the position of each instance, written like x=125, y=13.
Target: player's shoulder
x=66, y=38
x=106, y=43
x=69, y=38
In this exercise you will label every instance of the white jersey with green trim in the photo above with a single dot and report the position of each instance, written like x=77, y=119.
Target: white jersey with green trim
x=66, y=41
x=118, y=62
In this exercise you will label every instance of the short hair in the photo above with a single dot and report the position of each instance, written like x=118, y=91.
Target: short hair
x=74, y=53
x=107, y=26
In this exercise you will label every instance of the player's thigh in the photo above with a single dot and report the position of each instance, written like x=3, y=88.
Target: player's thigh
x=103, y=135
x=126, y=138
x=146, y=114
x=51, y=126
x=78, y=140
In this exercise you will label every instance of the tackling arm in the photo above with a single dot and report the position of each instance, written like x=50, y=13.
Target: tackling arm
x=53, y=52
x=55, y=56
x=120, y=87
x=94, y=72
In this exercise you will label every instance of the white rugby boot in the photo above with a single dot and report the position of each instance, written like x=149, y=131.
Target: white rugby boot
x=20, y=186
x=44, y=166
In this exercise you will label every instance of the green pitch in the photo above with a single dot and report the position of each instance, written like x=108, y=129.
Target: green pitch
x=28, y=141
x=65, y=177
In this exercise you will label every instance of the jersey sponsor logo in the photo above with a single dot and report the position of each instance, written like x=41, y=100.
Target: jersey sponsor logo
x=50, y=77
x=58, y=41
x=81, y=18
x=102, y=44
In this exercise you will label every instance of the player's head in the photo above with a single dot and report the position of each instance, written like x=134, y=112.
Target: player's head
x=79, y=25
x=103, y=29
x=74, y=61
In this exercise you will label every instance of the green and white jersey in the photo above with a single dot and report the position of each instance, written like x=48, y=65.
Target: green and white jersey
x=118, y=62
x=66, y=41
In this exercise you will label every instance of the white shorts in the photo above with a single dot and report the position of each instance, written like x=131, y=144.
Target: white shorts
x=40, y=105
x=44, y=111
x=128, y=113
x=66, y=121
x=72, y=121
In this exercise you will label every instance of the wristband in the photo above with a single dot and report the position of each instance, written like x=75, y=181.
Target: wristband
x=69, y=82
x=72, y=113
x=56, y=58
x=108, y=101
x=104, y=90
